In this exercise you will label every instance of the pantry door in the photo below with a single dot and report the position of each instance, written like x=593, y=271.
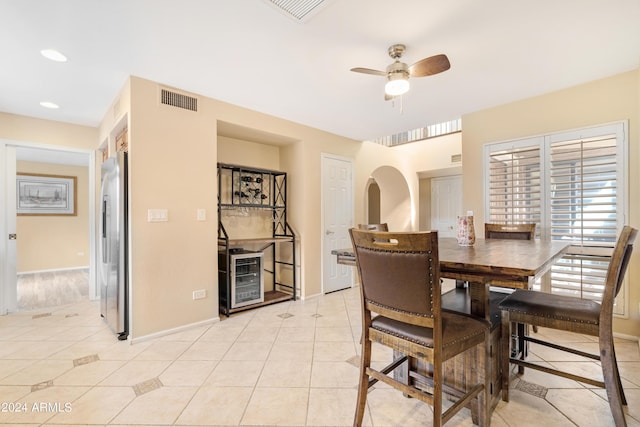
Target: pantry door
x=337, y=218
x=446, y=204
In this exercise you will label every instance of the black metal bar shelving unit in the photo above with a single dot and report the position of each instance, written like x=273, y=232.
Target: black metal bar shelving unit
x=242, y=187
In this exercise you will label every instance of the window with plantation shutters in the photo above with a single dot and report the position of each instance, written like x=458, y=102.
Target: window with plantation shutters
x=514, y=187
x=571, y=185
x=583, y=181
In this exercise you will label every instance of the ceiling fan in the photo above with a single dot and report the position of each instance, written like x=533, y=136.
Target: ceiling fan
x=398, y=73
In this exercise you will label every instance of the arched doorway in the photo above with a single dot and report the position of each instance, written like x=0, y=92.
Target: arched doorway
x=395, y=204
x=373, y=202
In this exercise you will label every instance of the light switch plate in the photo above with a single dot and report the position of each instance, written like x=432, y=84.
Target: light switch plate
x=202, y=214
x=157, y=215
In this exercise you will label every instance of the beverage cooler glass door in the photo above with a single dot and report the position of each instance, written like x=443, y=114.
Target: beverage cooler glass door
x=247, y=281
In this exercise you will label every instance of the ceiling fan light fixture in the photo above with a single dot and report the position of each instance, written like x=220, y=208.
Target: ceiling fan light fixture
x=397, y=85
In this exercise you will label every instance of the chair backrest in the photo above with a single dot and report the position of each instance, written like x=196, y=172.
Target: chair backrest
x=399, y=274
x=374, y=227
x=510, y=231
x=616, y=270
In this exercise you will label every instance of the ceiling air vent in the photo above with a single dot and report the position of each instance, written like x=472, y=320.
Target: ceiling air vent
x=178, y=100
x=299, y=10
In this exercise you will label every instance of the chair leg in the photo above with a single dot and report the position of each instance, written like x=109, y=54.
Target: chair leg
x=523, y=349
x=615, y=365
x=438, y=379
x=611, y=379
x=505, y=340
x=481, y=405
x=363, y=384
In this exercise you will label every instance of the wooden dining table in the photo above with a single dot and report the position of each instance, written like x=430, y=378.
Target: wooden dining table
x=505, y=263
x=496, y=262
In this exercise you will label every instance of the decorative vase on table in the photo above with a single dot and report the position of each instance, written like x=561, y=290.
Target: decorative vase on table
x=466, y=233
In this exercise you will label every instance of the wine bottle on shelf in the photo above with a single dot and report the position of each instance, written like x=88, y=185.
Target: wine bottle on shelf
x=246, y=178
x=241, y=194
x=258, y=180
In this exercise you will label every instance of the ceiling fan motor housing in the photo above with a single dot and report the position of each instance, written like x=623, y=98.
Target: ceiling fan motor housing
x=398, y=70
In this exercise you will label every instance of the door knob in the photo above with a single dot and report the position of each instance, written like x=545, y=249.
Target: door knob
x=329, y=232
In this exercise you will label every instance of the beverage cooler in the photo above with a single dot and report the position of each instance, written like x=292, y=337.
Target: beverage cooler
x=245, y=276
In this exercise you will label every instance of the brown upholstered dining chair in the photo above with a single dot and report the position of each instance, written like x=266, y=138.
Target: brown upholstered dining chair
x=374, y=227
x=400, y=283
x=510, y=231
x=514, y=232
x=573, y=314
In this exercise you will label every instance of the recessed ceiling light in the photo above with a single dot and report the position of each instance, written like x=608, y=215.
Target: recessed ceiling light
x=53, y=55
x=47, y=104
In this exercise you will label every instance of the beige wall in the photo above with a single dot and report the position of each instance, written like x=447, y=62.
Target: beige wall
x=48, y=242
x=603, y=101
x=424, y=210
x=172, y=158
x=30, y=130
x=247, y=153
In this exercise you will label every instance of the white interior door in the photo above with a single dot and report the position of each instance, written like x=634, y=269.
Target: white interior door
x=337, y=218
x=9, y=288
x=8, y=247
x=446, y=204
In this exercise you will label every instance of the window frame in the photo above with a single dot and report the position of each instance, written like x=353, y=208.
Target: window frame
x=544, y=142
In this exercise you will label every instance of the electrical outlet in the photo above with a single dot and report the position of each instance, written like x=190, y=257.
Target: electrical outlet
x=202, y=293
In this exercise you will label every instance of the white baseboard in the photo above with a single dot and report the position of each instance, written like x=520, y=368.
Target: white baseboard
x=53, y=270
x=173, y=330
x=627, y=337
x=310, y=297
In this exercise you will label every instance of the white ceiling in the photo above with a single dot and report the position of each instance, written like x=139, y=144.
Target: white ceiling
x=248, y=53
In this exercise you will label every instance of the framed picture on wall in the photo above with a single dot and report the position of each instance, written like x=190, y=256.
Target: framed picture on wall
x=40, y=194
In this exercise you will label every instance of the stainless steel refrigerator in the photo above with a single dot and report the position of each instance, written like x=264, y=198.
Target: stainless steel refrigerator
x=113, y=271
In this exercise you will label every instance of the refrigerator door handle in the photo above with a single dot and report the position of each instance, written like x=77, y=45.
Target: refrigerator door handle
x=104, y=230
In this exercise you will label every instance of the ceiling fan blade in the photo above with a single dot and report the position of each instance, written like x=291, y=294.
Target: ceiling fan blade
x=430, y=66
x=369, y=71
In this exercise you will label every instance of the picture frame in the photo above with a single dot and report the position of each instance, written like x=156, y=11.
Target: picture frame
x=43, y=194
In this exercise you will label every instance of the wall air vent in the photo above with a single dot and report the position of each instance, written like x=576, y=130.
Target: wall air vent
x=299, y=10
x=456, y=158
x=178, y=100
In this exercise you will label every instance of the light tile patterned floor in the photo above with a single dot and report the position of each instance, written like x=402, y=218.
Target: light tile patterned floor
x=290, y=364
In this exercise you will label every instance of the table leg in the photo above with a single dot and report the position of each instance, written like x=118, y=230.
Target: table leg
x=479, y=295
x=480, y=307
